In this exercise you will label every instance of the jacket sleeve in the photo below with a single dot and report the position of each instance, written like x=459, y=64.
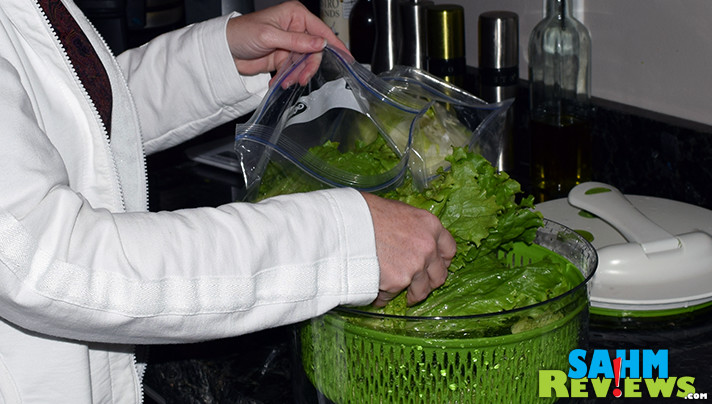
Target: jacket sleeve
x=185, y=83
x=71, y=270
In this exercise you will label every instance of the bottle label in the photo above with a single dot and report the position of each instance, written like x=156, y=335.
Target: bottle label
x=447, y=67
x=499, y=77
x=335, y=13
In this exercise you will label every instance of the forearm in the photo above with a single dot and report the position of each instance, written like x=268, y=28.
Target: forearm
x=189, y=275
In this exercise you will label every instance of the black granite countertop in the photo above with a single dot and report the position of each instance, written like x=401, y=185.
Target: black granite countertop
x=263, y=367
x=637, y=151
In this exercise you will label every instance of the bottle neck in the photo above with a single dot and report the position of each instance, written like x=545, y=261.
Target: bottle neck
x=559, y=9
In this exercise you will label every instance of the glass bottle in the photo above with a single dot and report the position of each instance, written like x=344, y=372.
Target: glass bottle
x=560, y=107
x=335, y=13
x=362, y=31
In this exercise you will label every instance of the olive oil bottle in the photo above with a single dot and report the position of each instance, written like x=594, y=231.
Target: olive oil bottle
x=561, y=155
x=560, y=102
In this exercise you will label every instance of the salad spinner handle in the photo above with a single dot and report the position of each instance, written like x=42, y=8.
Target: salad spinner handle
x=609, y=204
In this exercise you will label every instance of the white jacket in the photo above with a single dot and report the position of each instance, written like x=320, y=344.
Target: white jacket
x=85, y=271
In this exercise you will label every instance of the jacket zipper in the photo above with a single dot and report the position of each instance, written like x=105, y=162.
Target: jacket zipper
x=139, y=377
x=117, y=69
x=107, y=145
x=85, y=94
x=140, y=133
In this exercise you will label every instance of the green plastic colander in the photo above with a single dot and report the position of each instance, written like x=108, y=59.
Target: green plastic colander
x=353, y=356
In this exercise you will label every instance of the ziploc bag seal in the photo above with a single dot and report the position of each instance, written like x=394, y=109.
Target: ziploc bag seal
x=347, y=105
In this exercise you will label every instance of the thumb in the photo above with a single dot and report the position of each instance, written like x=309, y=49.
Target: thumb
x=300, y=42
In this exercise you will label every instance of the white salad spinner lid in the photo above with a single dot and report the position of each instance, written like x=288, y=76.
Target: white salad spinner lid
x=638, y=283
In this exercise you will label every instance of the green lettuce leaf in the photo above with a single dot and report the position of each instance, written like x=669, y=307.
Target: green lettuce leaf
x=485, y=213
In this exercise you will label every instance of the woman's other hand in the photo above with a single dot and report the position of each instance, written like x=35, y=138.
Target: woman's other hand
x=261, y=41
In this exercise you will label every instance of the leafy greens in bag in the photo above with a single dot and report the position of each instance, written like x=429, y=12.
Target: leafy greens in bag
x=479, y=206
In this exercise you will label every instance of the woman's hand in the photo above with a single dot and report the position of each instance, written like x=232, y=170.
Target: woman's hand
x=414, y=249
x=261, y=41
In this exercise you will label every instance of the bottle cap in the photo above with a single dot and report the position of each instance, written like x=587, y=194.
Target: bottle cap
x=446, y=31
x=498, y=37
x=414, y=20
x=389, y=35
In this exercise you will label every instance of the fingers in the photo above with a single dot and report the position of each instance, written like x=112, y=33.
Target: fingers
x=315, y=26
x=299, y=42
x=414, y=249
x=430, y=278
x=300, y=73
x=260, y=41
x=305, y=71
x=447, y=246
x=420, y=287
x=434, y=272
x=383, y=298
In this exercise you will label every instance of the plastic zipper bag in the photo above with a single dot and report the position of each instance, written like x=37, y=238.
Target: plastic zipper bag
x=454, y=118
x=296, y=138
